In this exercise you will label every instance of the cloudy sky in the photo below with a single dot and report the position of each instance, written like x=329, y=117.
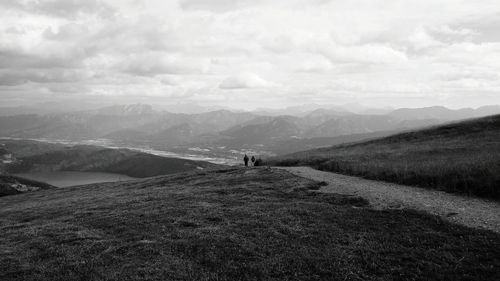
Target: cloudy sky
x=251, y=53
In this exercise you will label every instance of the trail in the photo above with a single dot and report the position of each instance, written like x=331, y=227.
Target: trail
x=473, y=212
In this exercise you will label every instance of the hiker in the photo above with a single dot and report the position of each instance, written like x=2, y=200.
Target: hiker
x=253, y=160
x=246, y=160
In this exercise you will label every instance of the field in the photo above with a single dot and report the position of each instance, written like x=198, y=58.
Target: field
x=232, y=224
x=461, y=157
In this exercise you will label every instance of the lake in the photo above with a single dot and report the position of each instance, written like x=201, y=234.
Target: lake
x=65, y=179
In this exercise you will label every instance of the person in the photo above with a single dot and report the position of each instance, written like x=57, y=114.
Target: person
x=253, y=160
x=245, y=159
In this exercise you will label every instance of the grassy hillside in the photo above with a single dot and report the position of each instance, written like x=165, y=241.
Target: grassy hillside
x=461, y=157
x=25, y=148
x=234, y=224
x=35, y=156
x=10, y=185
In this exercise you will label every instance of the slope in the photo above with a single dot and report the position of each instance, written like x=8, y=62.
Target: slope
x=233, y=224
x=32, y=156
x=462, y=157
x=10, y=185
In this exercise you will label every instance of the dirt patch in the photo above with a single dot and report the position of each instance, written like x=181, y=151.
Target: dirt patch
x=469, y=211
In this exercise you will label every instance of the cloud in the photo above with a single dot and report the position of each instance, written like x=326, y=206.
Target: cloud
x=61, y=8
x=22, y=60
x=154, y=63
x=244, y=81
x=421, y=39
x=315, y=65
x=217, y=5
x=367, y=53
x=12, y=78
x=369, y=50
x=70, y=31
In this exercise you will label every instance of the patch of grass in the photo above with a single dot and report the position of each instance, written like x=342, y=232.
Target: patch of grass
x=235, y=224
x=8, y=183
x=317, y=185
x=461, y=158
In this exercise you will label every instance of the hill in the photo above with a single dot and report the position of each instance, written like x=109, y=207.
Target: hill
x=33, y=156
x=10, y=185
x=232, y=224
x=460, y=157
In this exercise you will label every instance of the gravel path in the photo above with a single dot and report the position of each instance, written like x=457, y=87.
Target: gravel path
x=468, y=211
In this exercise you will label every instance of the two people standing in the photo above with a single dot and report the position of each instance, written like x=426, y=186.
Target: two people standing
x=253, y=160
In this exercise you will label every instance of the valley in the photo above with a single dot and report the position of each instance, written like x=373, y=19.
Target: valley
x=64, y=164
x=221, y=136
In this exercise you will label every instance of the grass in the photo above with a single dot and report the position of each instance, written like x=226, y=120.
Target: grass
x=233, y=224
x=96, y=159
x=7, y=182
x=462, y=157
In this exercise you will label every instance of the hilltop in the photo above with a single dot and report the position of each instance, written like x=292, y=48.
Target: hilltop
x=230, y=224
x=461, y=157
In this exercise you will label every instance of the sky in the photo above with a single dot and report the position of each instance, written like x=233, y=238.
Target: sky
x=251, y=53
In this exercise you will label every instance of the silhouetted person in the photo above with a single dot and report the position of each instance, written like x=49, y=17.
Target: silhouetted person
x=245, y=159
x=253, y=160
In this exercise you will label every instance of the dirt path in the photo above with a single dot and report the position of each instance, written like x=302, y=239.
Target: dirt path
x=468, y=211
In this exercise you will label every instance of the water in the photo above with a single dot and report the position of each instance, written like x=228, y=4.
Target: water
x=65, y=179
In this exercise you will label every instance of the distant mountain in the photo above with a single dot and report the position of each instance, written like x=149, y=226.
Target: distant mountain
x=360, y=124
x=301, y=144
x=121, y=123
x=126, y=110
x=318, y=124
x=141, y=125
x=222, y=119
x=278, y=128
x=443, y=113
x=487, y=110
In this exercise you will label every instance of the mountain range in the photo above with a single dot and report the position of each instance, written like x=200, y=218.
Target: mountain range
x=141, y=124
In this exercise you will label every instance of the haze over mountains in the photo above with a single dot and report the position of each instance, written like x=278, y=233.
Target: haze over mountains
x=219, y=132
